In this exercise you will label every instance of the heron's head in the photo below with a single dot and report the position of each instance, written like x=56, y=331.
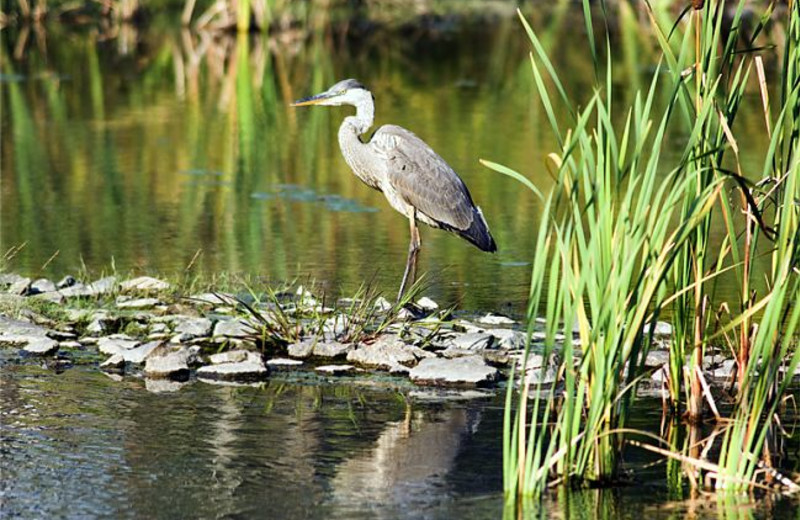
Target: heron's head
x=346, y=92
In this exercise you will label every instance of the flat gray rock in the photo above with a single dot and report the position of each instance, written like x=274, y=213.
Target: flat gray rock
x=145, y=284
x=427, y=304
x=662, y=329
x=235, y=328
x=331, y=349
x=284, y=364
x=52, y=297
x=42, y=285
x=470, y=371
x=21, y=286
x=7, y=279
x=251, y=369
x=101, y=286
x=170, y=365
x=382, y=304
x=471, y=341
x=724, y=370
x=386, y=353
x=116, y=344
x=115, y=363
x=660, y=376
x=508, y=339
x=139, y=355
x=101, y=322
x=67, y=281
x=336, y=370
x=541, y=375
x=213, y=299
x=336, y=325
x=301, y=349
x=191, y=328
x=41, y=347
x=138, y=303
x=495, y=319
x=19, y=332
x=229, y=356
x=656, y=358
x=454, y=352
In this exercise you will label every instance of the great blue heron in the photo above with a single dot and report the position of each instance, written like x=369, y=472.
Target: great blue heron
x=416, y=181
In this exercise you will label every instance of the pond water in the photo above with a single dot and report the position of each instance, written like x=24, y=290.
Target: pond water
x=158, y=150
x=76, y=444
x=161, y=151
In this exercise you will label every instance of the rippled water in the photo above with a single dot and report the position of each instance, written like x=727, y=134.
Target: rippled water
x=77, y=444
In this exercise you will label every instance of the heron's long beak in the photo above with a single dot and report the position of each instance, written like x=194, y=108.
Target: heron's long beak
x=313, y=100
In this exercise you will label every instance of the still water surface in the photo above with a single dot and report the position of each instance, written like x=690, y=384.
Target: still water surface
x=155, y=150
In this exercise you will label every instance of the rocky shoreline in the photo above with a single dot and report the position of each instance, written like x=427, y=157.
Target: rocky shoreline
x=146, y=327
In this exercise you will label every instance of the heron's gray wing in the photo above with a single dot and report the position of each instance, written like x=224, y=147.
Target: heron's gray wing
x=423, y=179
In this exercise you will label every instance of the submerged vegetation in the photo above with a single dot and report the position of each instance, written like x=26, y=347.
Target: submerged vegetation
x=626, y=238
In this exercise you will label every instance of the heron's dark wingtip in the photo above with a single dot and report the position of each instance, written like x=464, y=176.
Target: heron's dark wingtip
x=478, y=233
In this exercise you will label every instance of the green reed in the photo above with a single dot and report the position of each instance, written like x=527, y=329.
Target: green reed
x=604, y=249
x=626, y=233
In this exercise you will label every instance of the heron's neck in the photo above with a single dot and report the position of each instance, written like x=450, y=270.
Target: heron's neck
x=365, y=115
x=355, y=152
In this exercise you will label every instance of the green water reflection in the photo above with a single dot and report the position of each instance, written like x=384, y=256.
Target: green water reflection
x=146, y=149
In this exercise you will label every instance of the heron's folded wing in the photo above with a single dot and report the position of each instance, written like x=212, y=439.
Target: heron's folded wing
x=423, y=178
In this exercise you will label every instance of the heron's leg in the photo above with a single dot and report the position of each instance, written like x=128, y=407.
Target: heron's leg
x=413, y=250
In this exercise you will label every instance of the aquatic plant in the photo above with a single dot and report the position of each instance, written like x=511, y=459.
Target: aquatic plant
x=611, y=256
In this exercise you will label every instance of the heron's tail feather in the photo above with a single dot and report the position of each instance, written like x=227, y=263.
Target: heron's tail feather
x=478, y=232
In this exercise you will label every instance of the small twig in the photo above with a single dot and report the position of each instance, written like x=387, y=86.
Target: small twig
x=53, y=257
x=193, y=260
x=707, y=393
